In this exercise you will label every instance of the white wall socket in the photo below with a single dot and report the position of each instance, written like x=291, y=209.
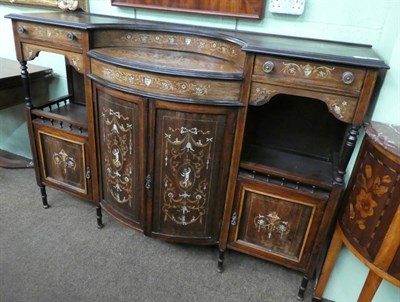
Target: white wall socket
x=291, y=7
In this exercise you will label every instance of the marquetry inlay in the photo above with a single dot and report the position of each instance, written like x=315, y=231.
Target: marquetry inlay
x=118, y=141
x=66, y=36
x=174, y=41
x=63, y=160
x=307, y=70
x=271, y=223
x=184, y=87
x=31, y=51
x=342, y=107
x=188, y=162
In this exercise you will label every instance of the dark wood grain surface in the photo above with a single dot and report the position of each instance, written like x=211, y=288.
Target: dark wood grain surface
x=313, y=49
x=233, y=8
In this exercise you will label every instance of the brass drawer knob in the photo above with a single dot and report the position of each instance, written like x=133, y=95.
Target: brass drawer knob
x=70, y=36
x=348, y=77
x=21, y=29
x=268, y=66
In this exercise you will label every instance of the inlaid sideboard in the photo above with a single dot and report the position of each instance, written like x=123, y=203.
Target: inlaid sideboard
x=200, y=135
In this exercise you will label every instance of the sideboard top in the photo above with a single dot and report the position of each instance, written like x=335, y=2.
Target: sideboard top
x=312, y=49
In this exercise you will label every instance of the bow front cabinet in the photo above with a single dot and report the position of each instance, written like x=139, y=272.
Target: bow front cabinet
x=200, y=135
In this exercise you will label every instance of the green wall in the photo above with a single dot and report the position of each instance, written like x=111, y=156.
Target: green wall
x=361, y=21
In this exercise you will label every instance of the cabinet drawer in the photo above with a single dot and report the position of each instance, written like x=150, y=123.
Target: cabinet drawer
x=60, y=37
x=274, y=223
x=165, y=86
x=315, y=75
x=63, y=160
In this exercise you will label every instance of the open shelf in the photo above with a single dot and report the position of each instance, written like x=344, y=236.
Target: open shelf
x=288, y=165
x=64, y=112
x=295, y=138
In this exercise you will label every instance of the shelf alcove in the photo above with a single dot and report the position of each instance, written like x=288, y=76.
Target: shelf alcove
x=293, y=137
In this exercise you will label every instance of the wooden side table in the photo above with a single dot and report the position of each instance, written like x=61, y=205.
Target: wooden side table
x=369, y=221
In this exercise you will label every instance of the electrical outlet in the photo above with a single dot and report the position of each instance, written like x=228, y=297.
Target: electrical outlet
x=291, y=7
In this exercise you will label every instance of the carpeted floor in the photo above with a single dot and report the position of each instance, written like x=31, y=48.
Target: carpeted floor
x=58, y=254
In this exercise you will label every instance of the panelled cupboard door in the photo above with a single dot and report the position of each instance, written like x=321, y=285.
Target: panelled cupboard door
x=121, y=123
x=274, y=223
x=192, y=150
x=64, y=160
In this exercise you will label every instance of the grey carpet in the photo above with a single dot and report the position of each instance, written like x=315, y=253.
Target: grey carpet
x=58, y=254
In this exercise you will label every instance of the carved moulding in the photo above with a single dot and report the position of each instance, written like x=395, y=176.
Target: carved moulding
x=71, y=5
x=29, y=52
x=343, y=108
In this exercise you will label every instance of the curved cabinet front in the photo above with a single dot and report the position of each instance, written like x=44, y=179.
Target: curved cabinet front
x=120, y=125
x=192, y=149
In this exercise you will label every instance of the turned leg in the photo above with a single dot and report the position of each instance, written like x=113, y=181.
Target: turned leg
x=100, y=224
x=347, y=152
x=221, y=254
x=44, y=197
x=302, y=289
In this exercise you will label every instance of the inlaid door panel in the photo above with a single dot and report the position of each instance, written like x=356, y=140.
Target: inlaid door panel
x=274, y=223
x=192, y=149
x=121, y=123
x=373, y=200
x=64, y=161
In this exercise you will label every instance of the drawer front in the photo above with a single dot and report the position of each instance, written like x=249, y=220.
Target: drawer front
x=315, y=75
x=273, y=224
x=165, y=86
x=60, y=37
x=63, y=160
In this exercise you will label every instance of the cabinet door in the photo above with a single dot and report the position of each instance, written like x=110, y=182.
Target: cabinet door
x=64, y=161
x=122, y=149
x=191, y=153
x=275, y=223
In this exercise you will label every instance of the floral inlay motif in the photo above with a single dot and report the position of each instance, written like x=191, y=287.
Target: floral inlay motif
x=338, y=107
x=118, y=139
x=272, y=223
x=371, y=187
x=188, y=42
x=260, y=96
x=156, y=82
x=31, y=51
x=54, y=33
x=187, y=163
x=319, y=72
x=64, y=160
